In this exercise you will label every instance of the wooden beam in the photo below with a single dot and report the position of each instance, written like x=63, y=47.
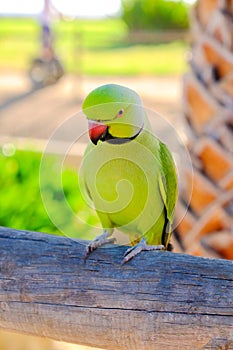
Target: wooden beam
x=159, y=300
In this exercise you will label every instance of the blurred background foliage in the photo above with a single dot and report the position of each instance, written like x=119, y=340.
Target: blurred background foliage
x=91, y=47
x=21, y=202
x=159, y=14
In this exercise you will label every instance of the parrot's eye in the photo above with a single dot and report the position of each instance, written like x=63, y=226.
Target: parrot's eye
x=120, y=113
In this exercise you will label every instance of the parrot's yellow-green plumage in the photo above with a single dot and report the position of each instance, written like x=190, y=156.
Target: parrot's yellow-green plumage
x=128, y=173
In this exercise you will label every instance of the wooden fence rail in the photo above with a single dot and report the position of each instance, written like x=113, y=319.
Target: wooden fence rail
x=159, y=300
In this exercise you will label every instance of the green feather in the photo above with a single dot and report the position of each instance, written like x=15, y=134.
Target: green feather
x=168, y=183
x=168, y=188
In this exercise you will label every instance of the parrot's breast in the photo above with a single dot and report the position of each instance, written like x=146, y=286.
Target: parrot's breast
x=123, y=184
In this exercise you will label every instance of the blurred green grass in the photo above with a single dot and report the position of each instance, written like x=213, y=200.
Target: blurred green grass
x=21, y=202
x=90, y=47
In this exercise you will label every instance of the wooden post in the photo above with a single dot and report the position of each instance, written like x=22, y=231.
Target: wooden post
x=159, y=300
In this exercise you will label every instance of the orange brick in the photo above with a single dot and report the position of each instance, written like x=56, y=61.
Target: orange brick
x=201, y=105
x=203, y=193
x=214, y=219
x=216, y=163
x=218, y=57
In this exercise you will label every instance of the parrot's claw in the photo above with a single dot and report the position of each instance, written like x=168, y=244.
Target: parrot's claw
x=98, y=242
x=141, y=246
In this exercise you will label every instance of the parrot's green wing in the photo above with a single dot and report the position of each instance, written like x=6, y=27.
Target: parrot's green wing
x=168, y=188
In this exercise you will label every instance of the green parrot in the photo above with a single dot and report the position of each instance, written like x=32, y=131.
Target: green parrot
x=127, y=172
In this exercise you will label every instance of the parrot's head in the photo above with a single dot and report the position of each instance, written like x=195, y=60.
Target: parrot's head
x=115, y=114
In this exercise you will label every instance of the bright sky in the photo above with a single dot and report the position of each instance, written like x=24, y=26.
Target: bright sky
x=80, y=8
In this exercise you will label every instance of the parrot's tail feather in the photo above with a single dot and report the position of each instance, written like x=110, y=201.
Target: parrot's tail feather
x=167, y=232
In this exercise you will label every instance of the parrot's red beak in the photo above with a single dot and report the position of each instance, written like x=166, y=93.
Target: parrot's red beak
x=96, y=131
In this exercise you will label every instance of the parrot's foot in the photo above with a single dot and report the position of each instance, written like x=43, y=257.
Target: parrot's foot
x=141, y=246
x=98, y=242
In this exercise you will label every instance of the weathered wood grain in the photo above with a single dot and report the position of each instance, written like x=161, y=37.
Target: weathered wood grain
x=159, y=300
